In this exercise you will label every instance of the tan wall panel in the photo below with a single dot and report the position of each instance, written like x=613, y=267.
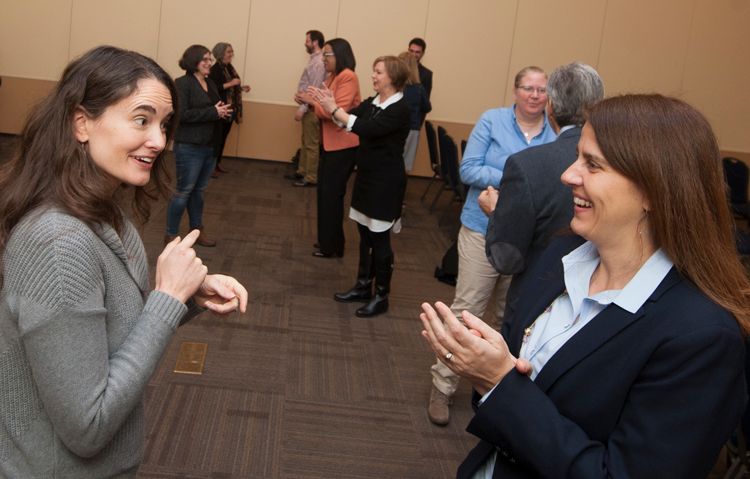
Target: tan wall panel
x=129, y=24
x=644, y=45
x=372, y=36
x=189, y=22
x=550, y=33
x=34, y=38
x=718, y=68
x=230, y=147
x=268, y=132
x=468, y=49
x=276, y=53
x=17, y=96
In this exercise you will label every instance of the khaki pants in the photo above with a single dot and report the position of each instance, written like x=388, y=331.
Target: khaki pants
x=476, y=281
x=309, y=154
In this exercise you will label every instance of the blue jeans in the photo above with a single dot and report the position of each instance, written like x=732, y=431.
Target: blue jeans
x=194, y=167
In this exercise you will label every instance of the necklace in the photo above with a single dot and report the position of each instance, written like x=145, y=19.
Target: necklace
x=526, y=133
x=527, y=331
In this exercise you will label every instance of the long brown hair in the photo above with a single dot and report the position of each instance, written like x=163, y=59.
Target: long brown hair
x=50, y=168
x=669, y=150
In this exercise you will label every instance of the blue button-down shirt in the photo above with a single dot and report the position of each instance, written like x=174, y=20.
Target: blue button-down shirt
x=494, y=138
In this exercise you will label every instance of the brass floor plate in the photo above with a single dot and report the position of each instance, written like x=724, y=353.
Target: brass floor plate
x=191, y=358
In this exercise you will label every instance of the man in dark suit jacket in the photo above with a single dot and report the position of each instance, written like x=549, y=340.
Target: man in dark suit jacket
x=531, y=203
x=417, y=47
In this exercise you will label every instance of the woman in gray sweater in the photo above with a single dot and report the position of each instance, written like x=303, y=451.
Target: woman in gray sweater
x=80, y=334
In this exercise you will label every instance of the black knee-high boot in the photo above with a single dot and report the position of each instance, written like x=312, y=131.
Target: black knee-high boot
x=379, y=303
x=362, y=291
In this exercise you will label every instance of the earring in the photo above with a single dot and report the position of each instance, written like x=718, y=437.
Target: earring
x=641, y=232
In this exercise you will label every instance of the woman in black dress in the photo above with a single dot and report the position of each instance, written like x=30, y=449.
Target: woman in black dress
x=382, y=123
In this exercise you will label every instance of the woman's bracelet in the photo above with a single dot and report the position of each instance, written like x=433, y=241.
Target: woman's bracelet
x=333, y=113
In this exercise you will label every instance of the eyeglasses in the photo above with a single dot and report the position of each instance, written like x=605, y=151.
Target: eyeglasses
x=329, y=54
x=204, y=59
x=529, y=89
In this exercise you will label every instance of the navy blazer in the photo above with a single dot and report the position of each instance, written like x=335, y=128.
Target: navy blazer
x=653, y=394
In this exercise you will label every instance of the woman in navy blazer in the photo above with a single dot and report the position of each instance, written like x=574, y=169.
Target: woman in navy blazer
x=625, y=358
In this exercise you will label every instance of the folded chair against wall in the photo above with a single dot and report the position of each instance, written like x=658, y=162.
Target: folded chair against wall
x=737, y=176
x=449, y=155
x=445, y=184
x=432, y=146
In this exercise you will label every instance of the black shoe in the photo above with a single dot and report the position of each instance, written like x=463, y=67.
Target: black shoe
x=318, y=254
x=303, y=183
x=362, y=291
x=295, y=176
x=379, y=302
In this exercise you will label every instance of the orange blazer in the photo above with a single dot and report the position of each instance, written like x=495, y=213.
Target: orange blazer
x=345, y=88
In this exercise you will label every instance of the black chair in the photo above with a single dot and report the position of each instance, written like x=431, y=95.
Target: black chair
x=432, y=146
x=737, y=176
x=443, y=174
x=738, y=457
x=449, y=156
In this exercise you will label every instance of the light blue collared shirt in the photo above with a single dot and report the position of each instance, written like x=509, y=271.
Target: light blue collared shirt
x=494, y=138
x=574, y=309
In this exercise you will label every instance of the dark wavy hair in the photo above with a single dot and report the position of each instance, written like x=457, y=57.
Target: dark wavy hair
x=343, y=53
x=49, y=167
x=193, y=56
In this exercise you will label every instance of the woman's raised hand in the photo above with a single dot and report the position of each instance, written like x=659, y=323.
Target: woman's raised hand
x=479, y=355
x=222, y=295
x=324, y=96
x=224, y=109
x=235, y=82
x=179, y=271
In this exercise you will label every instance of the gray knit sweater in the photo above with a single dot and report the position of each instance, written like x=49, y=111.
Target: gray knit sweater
x=79, y=340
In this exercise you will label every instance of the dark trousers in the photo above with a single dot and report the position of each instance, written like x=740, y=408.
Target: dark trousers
x=334, y=170
x=225, y=127
x=379, y=242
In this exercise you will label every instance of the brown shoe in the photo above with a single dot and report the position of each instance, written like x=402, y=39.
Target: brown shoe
x=438, y=412
x=168, y=239
x=204, y=240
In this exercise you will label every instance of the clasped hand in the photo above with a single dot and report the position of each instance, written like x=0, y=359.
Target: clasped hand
x=487, y=200
x=223, y=109
x=479, y=354
x=324, y=96
x=182, y=275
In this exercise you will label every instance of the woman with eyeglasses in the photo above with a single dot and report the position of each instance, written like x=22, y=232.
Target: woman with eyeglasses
x=498, y=134
x=196, y=142
x=230, y=87
x=339, y=146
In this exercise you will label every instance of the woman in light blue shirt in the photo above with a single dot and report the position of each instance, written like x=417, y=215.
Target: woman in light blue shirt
x=498, y=134
x=626, y=356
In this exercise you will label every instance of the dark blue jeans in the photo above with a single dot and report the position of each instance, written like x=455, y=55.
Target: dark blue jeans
x=194, y=167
